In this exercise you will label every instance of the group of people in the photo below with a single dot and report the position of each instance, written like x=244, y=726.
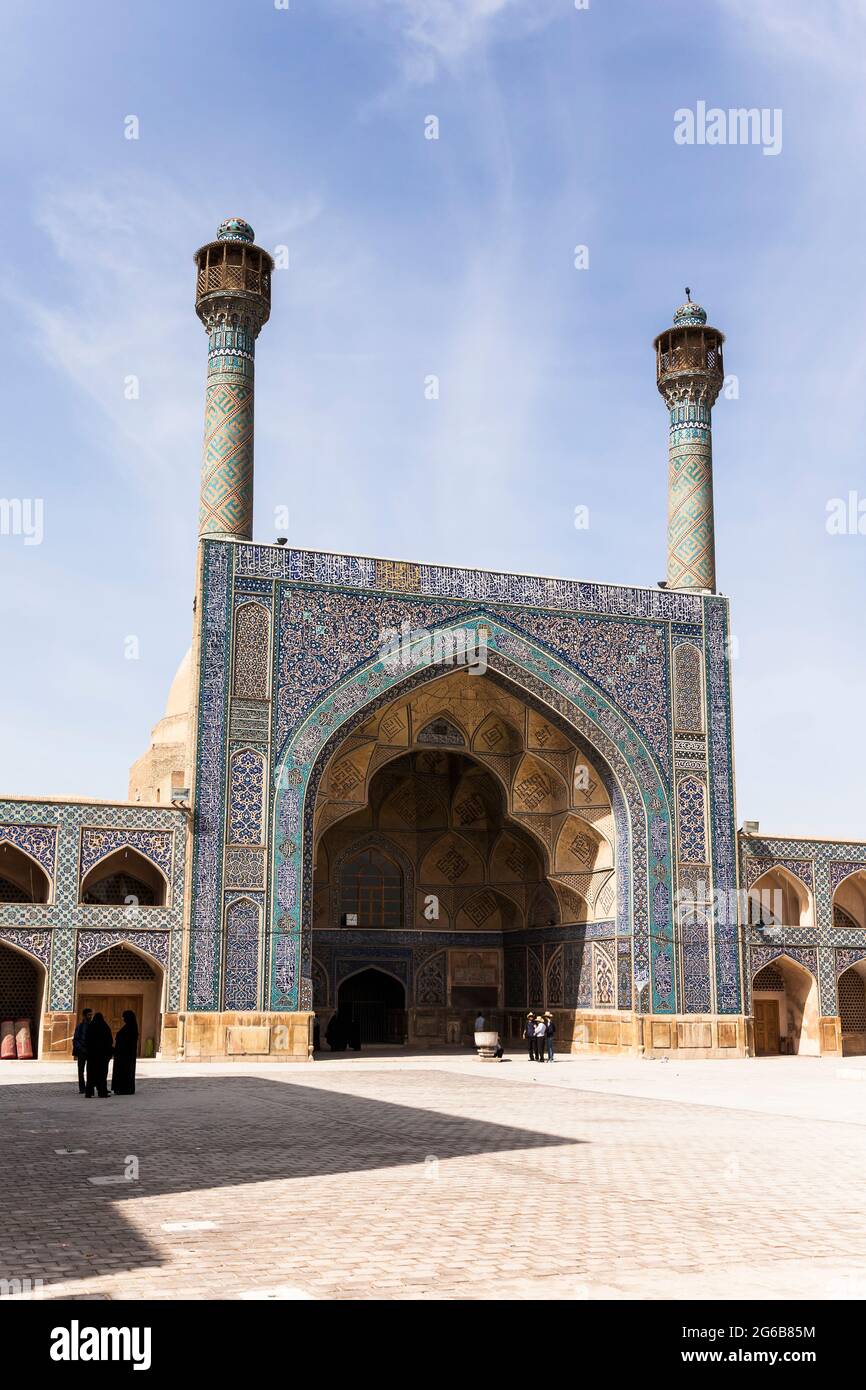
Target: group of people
x=93, y=1048
x=539, y=1033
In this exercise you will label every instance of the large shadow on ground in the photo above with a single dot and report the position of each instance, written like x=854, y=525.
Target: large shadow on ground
x=189, y=1134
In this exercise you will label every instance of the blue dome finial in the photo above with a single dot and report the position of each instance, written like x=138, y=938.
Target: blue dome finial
x=235, y=229
x=689, y=314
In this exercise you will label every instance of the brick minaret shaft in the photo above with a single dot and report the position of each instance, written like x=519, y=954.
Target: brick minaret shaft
x=233, y=301
x=690, y=372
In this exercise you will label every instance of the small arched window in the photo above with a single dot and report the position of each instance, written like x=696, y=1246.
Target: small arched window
x=124, y=878
x=371, y=891
x=21, y=878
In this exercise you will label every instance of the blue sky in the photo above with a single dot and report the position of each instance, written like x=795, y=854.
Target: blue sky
x=410, y=257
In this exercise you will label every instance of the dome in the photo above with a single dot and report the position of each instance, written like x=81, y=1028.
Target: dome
x=180, y=692
x=235, y=229
x=689, y=314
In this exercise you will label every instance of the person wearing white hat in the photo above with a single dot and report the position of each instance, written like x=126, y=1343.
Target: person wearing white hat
x=540, y=1036
x=550, y=1034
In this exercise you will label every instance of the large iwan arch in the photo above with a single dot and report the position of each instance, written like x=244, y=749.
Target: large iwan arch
x=644, y=903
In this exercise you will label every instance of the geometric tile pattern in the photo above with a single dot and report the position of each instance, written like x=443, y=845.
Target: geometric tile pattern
x=323, y=652
x=431, y=981
x=158, y=832
x=34, y=943
x=155, y=845
x=688, y=703
x=91, y=943
x=245, y=867
x=39, y=841
x=692, y=821
x=695, y=938
x=241, y=988
x=800, y=868
x=489, y=586
x=582, y=709
x=691, y=540
x=728, y=971
x=605, y=978
x=252, y=651
x=822, y=865
x=246, y=798
x=226, y=505
x=203, y=991
x=324, y=637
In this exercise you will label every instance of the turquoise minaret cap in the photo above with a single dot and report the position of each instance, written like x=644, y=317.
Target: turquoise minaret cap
x=689, y=315
x=235, y=229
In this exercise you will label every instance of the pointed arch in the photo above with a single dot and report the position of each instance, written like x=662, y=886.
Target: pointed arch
x=851, y=987
x=22, y=877
x=375, y=840
x=104, y=981
x=96, y=943
x=849, y=897
x=241, y=954
x=777, y=897
x=554, y=979
x=581, y=848
x=251, y=655
x=497, y=736
x=124, y=873
x=543, y=910
x=452, y=860
x=23, y=991
x=488, y=909
x=362, y=968
x=688, y=689
x=798, y=1007
x=321, y=991
x=532, y=674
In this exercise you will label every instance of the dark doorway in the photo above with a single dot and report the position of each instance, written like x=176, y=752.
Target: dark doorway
x=21, y=981
x=375, y=1005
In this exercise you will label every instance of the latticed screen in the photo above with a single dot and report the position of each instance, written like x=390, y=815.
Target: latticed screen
x=852, y=1002
x=372, y=887
x=769, y=978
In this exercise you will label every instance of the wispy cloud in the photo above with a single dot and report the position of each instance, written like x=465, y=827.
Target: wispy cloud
x=435, y=36
x=116, y=320
x=826, y=36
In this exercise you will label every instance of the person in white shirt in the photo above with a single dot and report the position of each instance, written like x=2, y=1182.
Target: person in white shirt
x=540, y=1039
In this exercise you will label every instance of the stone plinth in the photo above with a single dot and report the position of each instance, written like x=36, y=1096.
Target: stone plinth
x=265, y=1037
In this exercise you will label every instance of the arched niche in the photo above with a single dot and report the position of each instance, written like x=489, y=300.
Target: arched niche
x=22, y=880
x=122, y=878
x=779, y=898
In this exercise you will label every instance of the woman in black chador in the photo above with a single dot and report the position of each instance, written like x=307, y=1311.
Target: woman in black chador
x=125, y=1049
x=98, y=1049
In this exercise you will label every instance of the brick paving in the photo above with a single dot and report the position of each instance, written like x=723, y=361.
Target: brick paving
x=440, y=1177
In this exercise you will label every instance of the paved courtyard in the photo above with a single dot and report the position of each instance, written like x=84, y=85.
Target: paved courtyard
x=440, y=1177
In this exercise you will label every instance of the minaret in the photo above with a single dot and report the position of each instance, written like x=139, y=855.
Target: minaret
x=233, y=301
x=690, y=372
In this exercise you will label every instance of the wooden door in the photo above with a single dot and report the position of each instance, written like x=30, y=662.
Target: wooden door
x=766, y=1027
x=111, y=1006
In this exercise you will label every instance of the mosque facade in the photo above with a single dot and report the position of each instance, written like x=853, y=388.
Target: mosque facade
x=403, y=793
